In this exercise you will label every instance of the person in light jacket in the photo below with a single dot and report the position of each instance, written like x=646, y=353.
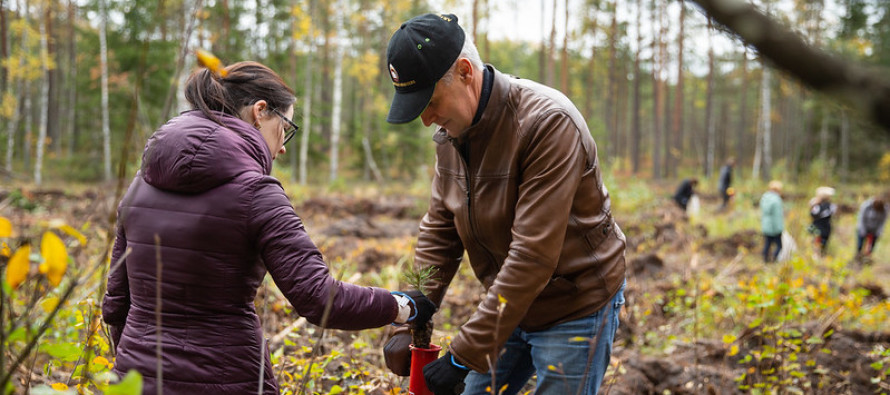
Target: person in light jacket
x=771, y=220
x=201, y=225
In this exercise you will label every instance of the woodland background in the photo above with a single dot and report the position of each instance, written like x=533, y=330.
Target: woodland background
x=666, y=93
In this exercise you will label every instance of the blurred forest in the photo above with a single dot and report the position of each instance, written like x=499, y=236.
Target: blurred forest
x=665, y=91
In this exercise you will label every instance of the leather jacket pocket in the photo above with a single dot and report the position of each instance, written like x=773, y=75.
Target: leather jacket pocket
x=559, y=286
x=599, y=233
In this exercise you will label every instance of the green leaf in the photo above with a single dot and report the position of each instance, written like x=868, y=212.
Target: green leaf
x=65, y=351
x=130, y=384
x=336, y=389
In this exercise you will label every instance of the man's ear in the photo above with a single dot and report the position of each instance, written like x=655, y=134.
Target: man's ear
x=464, y=68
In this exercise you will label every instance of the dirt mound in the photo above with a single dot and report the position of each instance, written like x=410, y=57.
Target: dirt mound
x=730, y=246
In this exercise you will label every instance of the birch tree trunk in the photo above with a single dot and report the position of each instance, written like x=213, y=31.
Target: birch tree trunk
x=44, y=104
x=103, y=64
x=551, y=47
x=337, y=99
x=610, y=100
x=307, y=98
x=185, y=39
x=766, y=118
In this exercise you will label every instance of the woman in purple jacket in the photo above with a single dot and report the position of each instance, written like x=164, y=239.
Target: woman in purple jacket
x=199, y=227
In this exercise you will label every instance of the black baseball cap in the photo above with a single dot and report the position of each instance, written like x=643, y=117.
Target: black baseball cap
x=419, y=54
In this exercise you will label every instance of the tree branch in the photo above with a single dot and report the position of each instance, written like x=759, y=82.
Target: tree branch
x=862, y=88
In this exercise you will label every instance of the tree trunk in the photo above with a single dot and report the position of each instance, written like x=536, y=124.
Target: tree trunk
x=635, y=113
x=677, y=125
x=590, y=75
x=710, y=128
x=52, y=76
x=542, y=56
x=551, y=47
x=103, y=64
x=743, y=111
x=307, y=96
x=656, y=101
x=337, y=104
x=609, y=114
x=70, y=119
x=4, y=47
x=187, y=28
x=765, y=117
x=564, y=72
x=44, y=103
x=823, y=140
x=845, y=146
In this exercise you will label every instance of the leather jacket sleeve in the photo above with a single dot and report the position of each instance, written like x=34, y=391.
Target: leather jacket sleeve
x=438, y=244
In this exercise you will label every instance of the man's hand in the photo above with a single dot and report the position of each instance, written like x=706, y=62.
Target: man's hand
x=423, y=309
x=444, y=377
x=397, y=354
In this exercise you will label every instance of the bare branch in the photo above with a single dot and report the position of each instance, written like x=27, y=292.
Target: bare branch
x=862, y=88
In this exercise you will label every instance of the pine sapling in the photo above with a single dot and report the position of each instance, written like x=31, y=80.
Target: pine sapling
x=418, y=278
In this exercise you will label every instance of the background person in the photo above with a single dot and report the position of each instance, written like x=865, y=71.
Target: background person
x=518, y=187
x=821, y=211
x=870, y=224
x=725, y=181
x=772, y=220
x=203, y=222
x=685, y=192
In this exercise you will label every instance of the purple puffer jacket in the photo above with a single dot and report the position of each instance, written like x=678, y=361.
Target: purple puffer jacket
x=220, y=221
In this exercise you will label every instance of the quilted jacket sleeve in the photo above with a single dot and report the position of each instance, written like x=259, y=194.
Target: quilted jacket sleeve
x=297, y=267
x=116, y=303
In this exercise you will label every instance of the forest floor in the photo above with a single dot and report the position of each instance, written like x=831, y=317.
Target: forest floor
x=704, y=315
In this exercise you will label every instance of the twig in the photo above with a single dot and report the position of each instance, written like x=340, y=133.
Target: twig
x=277, y=341
x=324, y=320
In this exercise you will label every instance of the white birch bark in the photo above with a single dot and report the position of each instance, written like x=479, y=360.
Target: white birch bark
x=307, y=101
x=44, y=104
x=337, y=100
x=103, y=55
x=766, y=94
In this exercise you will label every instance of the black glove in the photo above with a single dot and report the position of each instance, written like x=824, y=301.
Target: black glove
x=397, y=354
x=444, y=377
x=422, y=308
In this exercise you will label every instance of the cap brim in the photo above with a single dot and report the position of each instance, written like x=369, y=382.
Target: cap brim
x=407, y=106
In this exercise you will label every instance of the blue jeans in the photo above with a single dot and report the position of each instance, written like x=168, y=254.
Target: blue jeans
x=578, y=365
x=767, y=242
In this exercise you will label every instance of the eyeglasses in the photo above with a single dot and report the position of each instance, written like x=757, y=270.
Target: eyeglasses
x=291, y=130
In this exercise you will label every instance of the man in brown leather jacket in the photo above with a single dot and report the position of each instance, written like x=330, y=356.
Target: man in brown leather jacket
x=517, y=186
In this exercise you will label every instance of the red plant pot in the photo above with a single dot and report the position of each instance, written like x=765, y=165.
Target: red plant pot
x=419, y=358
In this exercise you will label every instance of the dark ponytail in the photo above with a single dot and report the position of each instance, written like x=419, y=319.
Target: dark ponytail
x=244, y=83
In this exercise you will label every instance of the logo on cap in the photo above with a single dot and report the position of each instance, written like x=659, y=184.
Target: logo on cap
x=393, y=73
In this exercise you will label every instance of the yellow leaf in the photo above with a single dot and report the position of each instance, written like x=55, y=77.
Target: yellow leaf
x=501, y=299
x=733, y=350
x=100, y=360
x=60, y=386
x=18, y=267
x=4, y=249
x=5, y=227
x=211, y=62
x=74, y=233
x=56, y=257
x=49, y=304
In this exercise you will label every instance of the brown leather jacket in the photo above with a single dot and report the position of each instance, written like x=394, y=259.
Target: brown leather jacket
x=521, y=191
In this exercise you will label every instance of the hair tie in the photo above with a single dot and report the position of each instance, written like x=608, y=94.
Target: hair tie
x=211, y=62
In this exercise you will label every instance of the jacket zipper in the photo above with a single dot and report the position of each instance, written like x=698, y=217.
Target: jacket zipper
x=465, y=161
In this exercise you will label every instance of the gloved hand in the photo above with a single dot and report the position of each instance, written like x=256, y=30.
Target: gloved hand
x=397, y=354
x=423, y=308
x=444, y=377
